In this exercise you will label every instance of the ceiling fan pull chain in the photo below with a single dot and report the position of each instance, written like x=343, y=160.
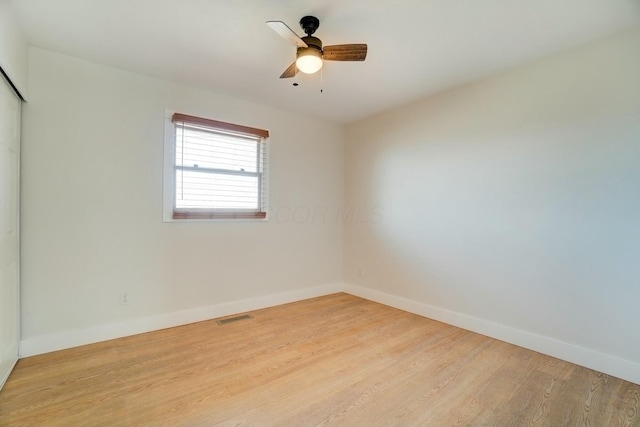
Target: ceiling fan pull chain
x=321, y=79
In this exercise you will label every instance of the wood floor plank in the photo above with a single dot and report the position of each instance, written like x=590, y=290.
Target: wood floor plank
x=328, y=361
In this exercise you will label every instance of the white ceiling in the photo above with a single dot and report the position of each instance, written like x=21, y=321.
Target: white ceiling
x=416, y=47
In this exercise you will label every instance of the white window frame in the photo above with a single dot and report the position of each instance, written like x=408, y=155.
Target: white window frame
x=169, y=184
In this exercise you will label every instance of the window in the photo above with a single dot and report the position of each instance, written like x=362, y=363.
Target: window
x=219, y=170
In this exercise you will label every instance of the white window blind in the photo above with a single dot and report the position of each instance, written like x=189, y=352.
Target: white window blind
x=220, y=169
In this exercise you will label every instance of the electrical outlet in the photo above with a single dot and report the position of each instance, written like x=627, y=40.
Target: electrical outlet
x=124, y=298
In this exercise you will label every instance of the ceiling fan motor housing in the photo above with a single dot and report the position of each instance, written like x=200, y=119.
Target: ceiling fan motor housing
x=312, y=42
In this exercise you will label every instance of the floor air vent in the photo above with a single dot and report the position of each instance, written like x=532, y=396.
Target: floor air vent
x=234, y=319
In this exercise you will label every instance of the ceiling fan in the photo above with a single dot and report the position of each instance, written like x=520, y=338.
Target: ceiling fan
x=310, y=53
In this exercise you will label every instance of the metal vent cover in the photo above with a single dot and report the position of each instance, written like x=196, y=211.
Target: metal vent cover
x=233, y=319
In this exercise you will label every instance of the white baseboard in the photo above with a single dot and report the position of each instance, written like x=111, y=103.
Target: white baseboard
x=77, y=337
x=608, y=364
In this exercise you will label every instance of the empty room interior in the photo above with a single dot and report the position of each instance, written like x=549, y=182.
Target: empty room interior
x=320, y=212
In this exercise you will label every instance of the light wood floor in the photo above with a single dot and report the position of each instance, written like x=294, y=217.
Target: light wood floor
x=335, y=360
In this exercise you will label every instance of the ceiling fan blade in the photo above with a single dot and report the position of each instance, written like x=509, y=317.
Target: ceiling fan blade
x=286, y=33
x=290, y=72
x=345, y=52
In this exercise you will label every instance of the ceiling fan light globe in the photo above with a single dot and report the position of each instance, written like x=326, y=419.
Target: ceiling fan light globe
x=309, y=60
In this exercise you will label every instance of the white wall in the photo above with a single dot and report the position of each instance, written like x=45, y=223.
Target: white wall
x=511, y=205
x=92, y=209
x=13, y=48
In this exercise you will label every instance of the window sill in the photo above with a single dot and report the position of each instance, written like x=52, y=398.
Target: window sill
x=186, y=217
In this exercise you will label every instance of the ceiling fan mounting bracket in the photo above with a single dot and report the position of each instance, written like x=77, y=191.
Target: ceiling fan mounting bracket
x=309, y=24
